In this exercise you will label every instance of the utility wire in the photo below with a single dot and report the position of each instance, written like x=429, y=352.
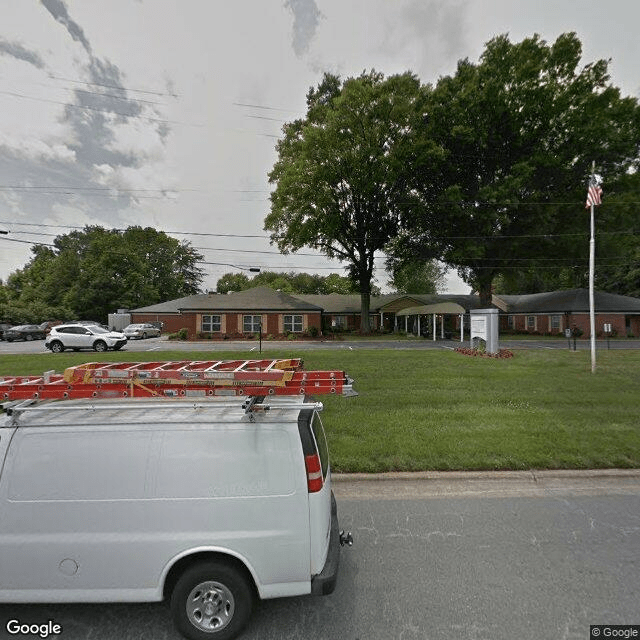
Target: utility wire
x=113, y=86
x=107, y=111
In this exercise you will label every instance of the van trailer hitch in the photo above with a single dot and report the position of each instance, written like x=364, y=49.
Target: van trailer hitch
x=346, y=538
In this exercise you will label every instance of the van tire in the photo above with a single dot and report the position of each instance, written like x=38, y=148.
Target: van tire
x=220, y=586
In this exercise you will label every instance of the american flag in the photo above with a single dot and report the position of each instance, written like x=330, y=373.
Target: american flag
x=594, y=194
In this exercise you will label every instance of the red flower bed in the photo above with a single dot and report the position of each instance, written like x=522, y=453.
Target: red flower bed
x=467, y=351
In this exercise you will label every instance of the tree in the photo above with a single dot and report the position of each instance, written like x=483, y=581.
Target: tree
x=291, y=282
x=416, y=276
x=617, y=240
x=95, y=271
x=345, y=173
x=519, y=131
x=232, y=282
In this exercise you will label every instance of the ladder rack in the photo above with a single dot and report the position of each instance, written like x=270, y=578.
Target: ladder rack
x=178, y=379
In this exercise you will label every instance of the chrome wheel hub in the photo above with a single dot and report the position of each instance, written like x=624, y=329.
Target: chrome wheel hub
x=210, y=606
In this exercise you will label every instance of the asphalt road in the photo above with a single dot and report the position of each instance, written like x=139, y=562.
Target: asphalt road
x=442, y=557
x=162, y=344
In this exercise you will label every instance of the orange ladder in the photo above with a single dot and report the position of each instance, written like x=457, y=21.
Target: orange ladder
x=184, y=378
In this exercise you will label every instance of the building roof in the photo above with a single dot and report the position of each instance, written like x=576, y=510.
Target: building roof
x=256, y=299
x=568, y=301
x=426, y=309
x=264, y=299
x=338, y=303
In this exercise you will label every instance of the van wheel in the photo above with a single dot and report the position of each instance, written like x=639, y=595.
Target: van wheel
x=211, y=601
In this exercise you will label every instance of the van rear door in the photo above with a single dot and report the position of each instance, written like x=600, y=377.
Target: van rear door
x=316, y=455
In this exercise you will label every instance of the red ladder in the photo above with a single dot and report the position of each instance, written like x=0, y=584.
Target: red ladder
x=185, y=378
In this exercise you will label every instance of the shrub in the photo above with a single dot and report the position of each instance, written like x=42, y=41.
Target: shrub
x=503, y=353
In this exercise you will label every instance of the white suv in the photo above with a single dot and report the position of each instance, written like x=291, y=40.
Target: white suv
x=76, y=336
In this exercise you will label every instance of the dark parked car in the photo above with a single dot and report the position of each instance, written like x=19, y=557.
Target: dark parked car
x=49, y=324
x=24, y=332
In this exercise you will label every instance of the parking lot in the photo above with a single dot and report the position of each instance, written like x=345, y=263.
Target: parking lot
x=162, y=344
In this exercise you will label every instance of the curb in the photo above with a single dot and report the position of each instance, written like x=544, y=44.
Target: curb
x=532, y=475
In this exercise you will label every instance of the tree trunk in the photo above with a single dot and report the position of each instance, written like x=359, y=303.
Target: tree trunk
x=365, y=304
x=485, y=286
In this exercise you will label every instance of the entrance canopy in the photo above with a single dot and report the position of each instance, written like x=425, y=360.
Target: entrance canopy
x=427, y=309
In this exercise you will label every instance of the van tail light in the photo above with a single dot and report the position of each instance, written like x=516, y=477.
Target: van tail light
x=314, y=473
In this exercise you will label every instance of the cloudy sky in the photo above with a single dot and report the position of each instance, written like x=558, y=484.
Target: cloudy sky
x=165, y=114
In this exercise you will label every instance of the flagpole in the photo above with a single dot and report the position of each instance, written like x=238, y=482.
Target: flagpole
x=592, y=259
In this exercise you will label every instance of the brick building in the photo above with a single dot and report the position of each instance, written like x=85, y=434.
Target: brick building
x=244, y=313
x=234, y=315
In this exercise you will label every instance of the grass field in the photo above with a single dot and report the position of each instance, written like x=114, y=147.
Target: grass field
x=423, y=410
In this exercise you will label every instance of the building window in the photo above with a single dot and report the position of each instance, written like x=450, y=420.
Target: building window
x=339, y=322
x=531, y=322
x=555, y=323
x=293, y=324
x=211, y=324
x=511, y=322
x=251, y=324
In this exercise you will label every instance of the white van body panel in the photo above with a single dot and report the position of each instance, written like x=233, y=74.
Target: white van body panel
x=98, y=506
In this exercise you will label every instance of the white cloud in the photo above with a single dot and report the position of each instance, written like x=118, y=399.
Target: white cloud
x=37, y=149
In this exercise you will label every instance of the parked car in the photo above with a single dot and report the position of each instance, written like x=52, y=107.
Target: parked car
x=77, y=336
x=49, y=324
x=146, y=330
x=24, y=332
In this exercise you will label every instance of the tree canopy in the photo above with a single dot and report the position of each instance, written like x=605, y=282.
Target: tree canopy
x=291, y=282
x=345, y=173
x=90, y=273
x=417, y=276
x=518, y=132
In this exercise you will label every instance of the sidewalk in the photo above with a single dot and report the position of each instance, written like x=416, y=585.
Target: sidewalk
x=500, y=484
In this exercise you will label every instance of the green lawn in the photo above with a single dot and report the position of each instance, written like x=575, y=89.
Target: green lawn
x=421, y=410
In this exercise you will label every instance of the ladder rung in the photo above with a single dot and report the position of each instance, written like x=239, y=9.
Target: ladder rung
x=178, y=379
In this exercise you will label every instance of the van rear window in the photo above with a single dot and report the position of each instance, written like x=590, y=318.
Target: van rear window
x=321, y=440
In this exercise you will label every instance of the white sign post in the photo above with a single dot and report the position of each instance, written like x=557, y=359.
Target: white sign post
x=484, y=325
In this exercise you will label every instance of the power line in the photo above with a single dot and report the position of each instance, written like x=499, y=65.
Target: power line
x=629, y=232
x=107, y=111
x=259, y=106
x=113, y=86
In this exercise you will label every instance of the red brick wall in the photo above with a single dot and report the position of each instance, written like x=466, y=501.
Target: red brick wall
x=579, y=320
x=234, y=322
x=315, y=320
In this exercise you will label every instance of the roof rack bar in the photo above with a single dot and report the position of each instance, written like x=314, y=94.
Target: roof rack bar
x=250, y=405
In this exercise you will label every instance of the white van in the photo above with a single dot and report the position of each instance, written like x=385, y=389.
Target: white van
x=209, y=504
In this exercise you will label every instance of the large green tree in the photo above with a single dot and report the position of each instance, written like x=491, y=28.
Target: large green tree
x=519, y=131
x=416, y=276
x=95, y=271
x=289, y=282
x=345, y=173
